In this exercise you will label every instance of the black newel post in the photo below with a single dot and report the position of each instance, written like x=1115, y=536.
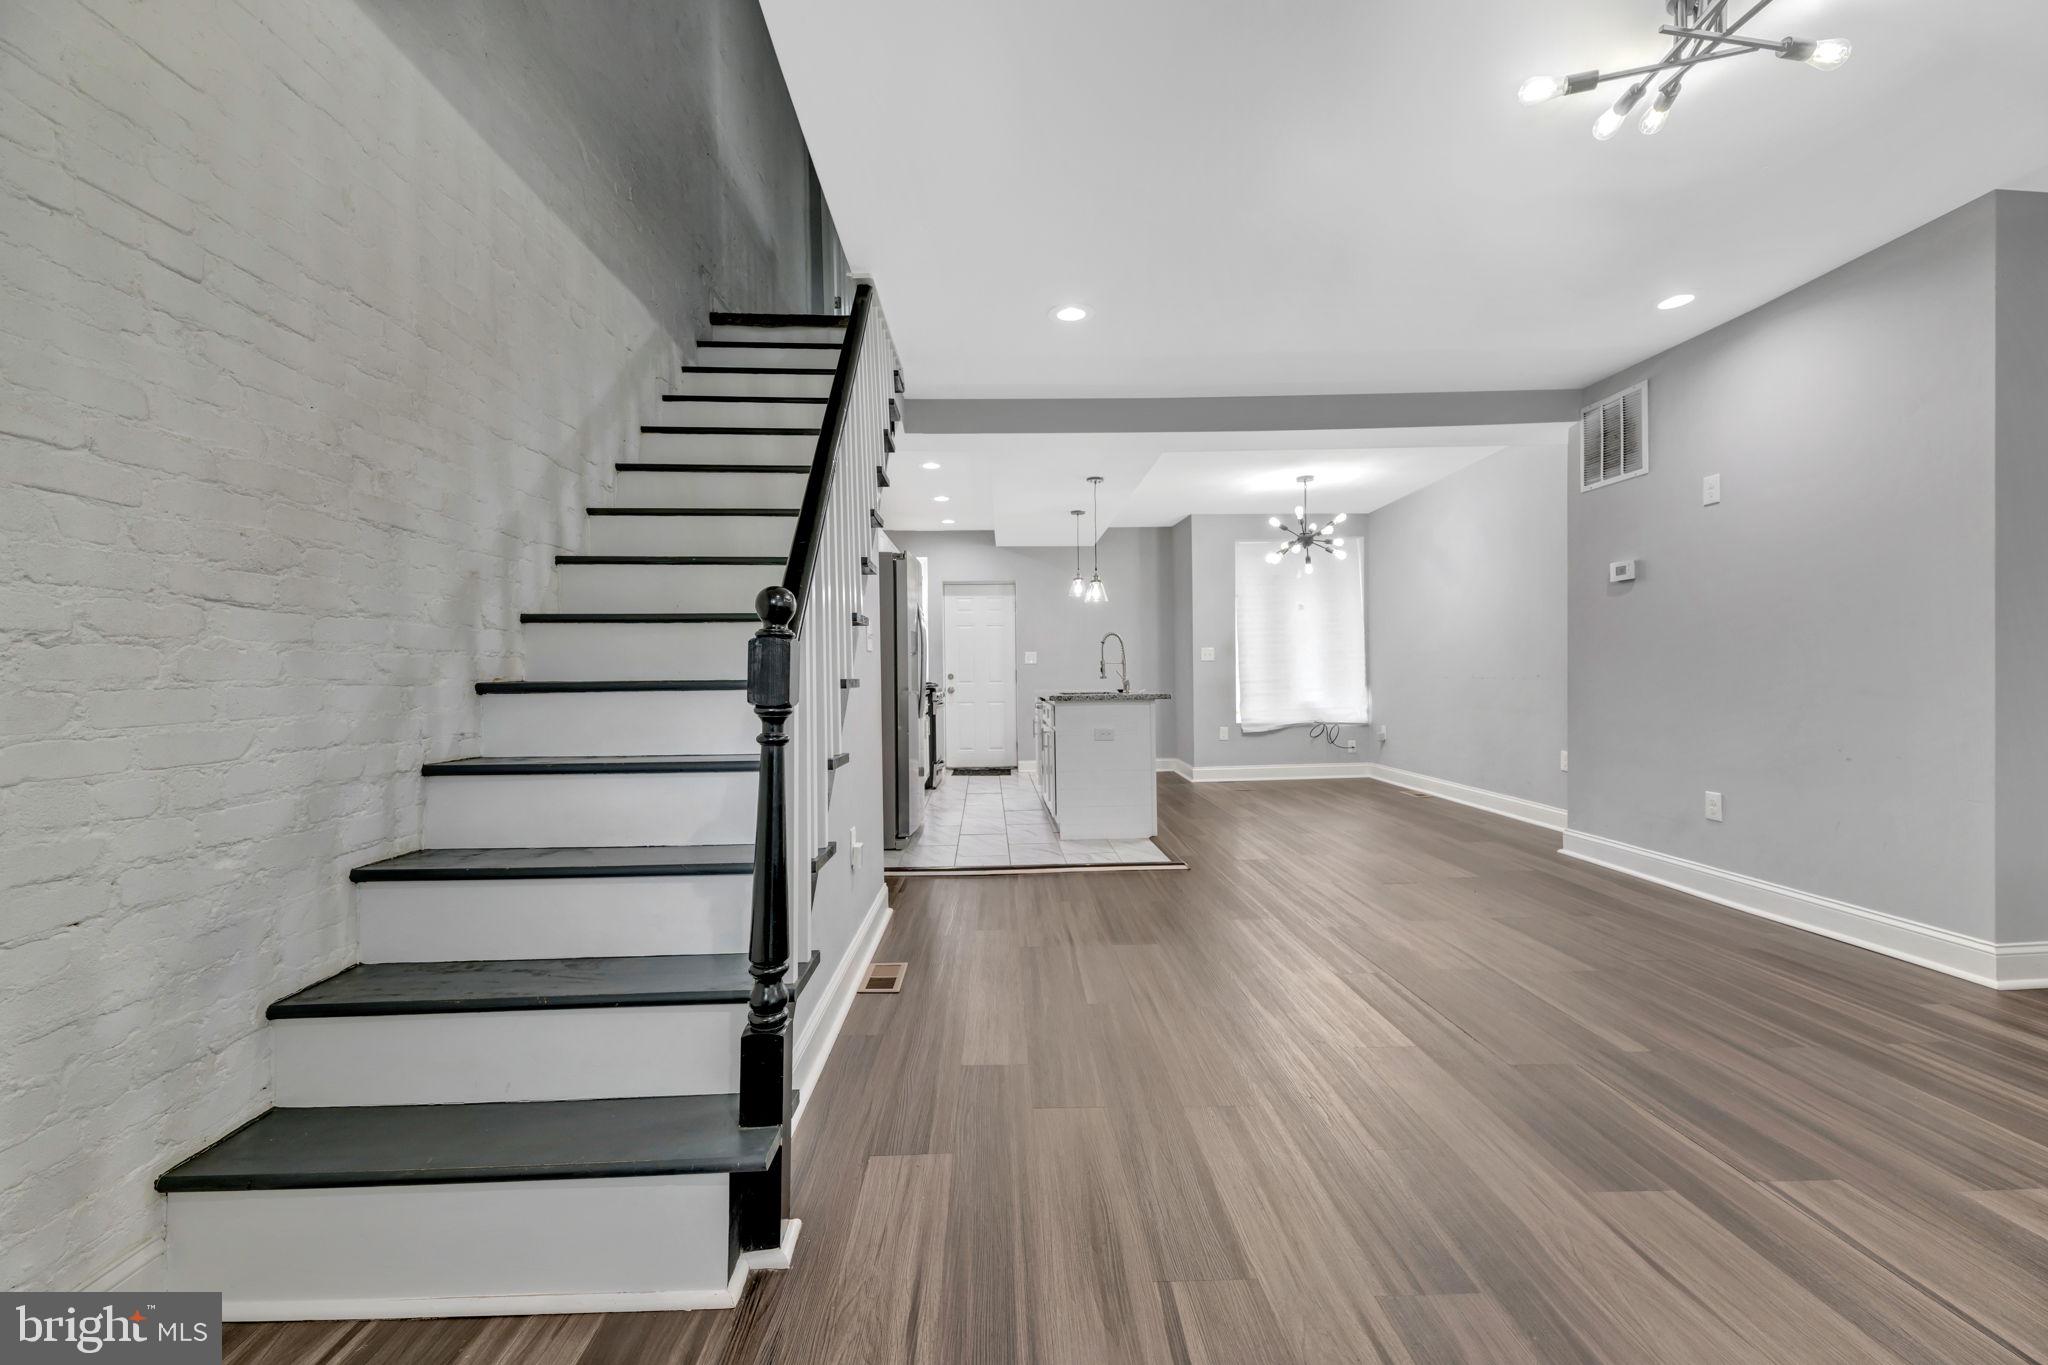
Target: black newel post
x=766, y=1064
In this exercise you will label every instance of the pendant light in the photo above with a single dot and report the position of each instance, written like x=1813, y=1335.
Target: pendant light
x=1079, y=584
x=1095, y=592
x=1304, y=536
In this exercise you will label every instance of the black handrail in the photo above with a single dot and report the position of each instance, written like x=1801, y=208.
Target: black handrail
x=810, y=521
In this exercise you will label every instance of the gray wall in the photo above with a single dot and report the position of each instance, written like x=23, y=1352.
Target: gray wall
x=1065, y=634
x=1465, y=584
x=1212, y=597
x=2022, y=417
x=1819, y=647
x=661, y=133
x=1180, y=551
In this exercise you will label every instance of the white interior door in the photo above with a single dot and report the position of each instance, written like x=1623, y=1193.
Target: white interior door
x=981, y=679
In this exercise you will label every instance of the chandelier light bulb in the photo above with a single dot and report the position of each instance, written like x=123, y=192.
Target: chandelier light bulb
x=1295, y=548
x=1338, y=553
x=1272, y=556
x=1308, y=566
x=1339, y=518
x=1339, y=542
x=1609, y=123
x=1653, y=121
x=1828, y=54
x=1273, y=522
x=1537, y=89
x=1297, y=511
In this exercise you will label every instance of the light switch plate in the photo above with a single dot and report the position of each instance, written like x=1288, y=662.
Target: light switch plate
x=1564, y=760
x=1223, y=732
x=1710, y=490
x=1208, y=654
x=1030, y=656
x=1105, y=732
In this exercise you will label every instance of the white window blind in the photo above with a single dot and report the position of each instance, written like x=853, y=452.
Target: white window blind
x=1300, y=640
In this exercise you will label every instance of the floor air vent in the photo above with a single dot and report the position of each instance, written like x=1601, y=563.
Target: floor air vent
x=884, y=978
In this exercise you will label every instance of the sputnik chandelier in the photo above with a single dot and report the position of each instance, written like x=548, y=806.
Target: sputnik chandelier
x=1304, y=537
x=1700, y=33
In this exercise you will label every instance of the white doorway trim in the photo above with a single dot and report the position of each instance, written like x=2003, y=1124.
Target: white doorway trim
x=980, y=679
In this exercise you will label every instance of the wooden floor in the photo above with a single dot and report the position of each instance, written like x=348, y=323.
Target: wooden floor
x=1378, y=1079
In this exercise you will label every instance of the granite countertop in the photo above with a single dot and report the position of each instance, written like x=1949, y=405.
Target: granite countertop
x=1106, y=696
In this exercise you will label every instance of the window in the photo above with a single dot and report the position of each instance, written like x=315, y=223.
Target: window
x=1300, y=640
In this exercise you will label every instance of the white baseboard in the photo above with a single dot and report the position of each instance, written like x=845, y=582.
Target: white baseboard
x=1500, y=803
x=2012, y=966
x=2023, y=966
x=1277, y=772
x=827, y=1009
x=1179, y=767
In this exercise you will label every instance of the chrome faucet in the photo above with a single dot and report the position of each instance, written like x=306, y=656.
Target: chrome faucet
x=1123, y=662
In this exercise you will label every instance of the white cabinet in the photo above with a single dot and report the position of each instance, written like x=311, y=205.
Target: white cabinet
x=1096, y=766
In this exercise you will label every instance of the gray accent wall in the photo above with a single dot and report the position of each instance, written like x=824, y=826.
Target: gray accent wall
x=2022, y=531
x=1262, y=412
x=1066, y=634
x=1465, y=584
x=661, y=134
x=1820, y=646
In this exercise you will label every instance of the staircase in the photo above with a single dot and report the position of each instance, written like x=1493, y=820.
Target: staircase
x=563, y=1075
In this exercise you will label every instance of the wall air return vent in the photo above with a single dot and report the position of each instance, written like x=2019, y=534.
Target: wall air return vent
x=1614, y=438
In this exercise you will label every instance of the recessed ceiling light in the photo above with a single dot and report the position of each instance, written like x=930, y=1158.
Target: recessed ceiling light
x=929, y=464
x=1072, y=312
x=1675, y=301
x=942, y=498
x=945, y=521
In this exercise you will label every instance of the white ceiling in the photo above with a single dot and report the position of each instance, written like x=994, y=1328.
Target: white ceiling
x=1345, y=196
x=1024, y=487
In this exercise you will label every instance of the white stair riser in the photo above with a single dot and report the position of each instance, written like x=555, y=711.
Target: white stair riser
x=697, y=489
x=657, y=447
x=662, y=587
x=763, y=385
x=518, y=917
x=688, y=535
x=684, y=412
x=729, y=332
x=569, y=810
x=781, y=357
x=507, y=1055
x=564, y=652
x=616, y=724
x=344, y=1253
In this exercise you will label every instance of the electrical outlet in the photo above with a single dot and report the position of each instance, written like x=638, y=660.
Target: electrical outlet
x=1208, y=654
x=1713, y=805
x=1223, y=732
x=1564, y=760
x=1710, y=490
x=1030, y=656
x=1383, y=734
x=1349, y=744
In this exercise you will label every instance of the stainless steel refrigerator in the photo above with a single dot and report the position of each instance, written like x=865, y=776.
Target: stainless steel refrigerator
x=907, y=737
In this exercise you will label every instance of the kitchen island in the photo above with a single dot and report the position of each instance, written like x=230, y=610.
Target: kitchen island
x=1097, y=760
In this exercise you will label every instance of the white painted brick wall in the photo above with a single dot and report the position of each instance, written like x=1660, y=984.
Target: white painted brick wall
x=300, y=389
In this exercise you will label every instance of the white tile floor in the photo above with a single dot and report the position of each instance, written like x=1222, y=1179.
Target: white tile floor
x=1000, y=822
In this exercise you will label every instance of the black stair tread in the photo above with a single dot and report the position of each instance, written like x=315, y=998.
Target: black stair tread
x=837, y=761
x=823, y=856
x=618, y=684
x=760, y=369
x=671, y=559
x=633, y=618
x=423, y=1144
x=693, y=511
x=670, y=467
x=645, y=763
x=515, y=864
x=542, y=983
x=779, y=319
x=661, y=430
x=740, y=398
x=774, y=345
